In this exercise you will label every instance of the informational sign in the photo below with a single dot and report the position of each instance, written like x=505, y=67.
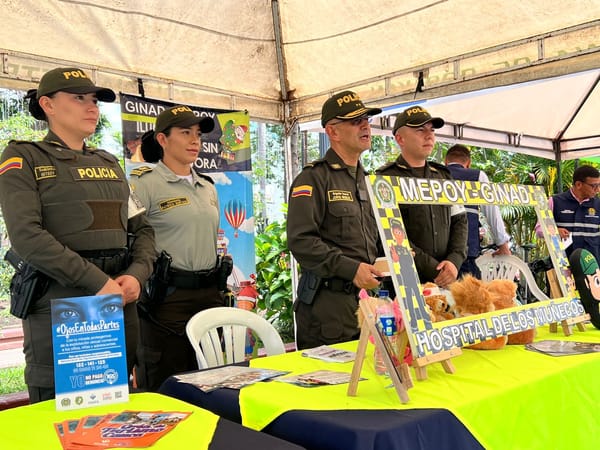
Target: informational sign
x=90, y=364
x=428, y=338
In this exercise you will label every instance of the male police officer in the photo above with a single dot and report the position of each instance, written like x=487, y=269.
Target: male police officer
x=437, y=233
x=331, y=228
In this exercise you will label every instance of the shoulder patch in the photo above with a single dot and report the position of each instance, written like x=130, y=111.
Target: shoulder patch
x=11, y=163
x=139, y=171
x=304, y=190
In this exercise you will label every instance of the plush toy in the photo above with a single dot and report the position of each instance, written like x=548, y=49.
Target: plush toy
x=504, y=295
x=439, y=301
x=472, y=297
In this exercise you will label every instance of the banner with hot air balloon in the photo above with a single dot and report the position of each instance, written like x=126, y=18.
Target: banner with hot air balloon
x=224, y=156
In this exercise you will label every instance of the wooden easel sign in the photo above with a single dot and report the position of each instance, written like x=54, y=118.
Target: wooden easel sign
x=397, y=370
x=437, y=342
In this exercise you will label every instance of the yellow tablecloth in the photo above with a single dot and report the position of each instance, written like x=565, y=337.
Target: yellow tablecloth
x=509, y=399
x=32, y=427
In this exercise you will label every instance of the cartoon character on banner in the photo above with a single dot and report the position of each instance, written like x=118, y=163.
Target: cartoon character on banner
x=235, y=213
x=233, y=136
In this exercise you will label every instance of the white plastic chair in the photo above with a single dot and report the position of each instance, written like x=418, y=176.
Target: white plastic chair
x=202, y=332
x=506, y=267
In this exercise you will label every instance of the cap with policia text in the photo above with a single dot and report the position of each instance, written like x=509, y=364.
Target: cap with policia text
x=345, y=105
x=415, y=116
x=74, y=81
x=183, y=117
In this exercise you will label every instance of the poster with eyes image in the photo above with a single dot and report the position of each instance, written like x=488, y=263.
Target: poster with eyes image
x=88, y=337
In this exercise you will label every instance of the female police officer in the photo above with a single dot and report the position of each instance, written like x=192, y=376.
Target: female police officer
x=66, y=211
x=183, y=209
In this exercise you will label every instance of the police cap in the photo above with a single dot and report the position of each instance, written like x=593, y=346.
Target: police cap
x=345, y=105
x=395, y=223
x=74, y=81
x=414, y=117
x=589, y=265
x=183, y=117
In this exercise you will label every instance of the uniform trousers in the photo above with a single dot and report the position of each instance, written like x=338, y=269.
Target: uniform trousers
x=37, y=341
x=164, y=348
x=329, y=319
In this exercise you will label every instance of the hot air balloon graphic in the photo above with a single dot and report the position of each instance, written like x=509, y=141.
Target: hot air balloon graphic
x=235, y=213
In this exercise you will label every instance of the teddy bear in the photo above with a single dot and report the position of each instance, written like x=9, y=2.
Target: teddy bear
x=439, y=301
x=472, y=297
x=504, y=295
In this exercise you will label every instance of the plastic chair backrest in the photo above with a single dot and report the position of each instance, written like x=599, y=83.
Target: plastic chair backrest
x=202, y=332
x=506, y=267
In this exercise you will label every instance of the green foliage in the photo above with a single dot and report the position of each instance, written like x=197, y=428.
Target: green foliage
x=22, y=127
x=12, y=380
x=274, y=281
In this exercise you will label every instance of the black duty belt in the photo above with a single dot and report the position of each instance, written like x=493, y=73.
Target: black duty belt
x=339, y=285
x=185, y=279
x=110, y=261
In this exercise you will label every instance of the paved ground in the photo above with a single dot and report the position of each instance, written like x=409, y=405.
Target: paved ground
x=11, y=347
x=12, y=358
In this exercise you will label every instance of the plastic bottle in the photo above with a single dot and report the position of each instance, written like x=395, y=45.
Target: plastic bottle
x=386, y=321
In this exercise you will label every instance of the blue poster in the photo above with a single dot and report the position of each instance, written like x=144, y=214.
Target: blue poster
x=88, y=337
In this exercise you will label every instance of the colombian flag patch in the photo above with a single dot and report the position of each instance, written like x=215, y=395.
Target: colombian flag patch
x=302, y=191
x=11, y=163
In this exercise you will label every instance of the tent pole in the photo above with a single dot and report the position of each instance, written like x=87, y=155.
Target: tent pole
x=557, y=158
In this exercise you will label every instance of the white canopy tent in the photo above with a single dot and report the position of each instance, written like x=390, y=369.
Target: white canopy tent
x=280, y=59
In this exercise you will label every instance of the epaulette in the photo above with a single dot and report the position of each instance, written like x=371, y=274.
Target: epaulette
x=17, y=141
x=438, y=166
x=206, y=177
x=139, y=171
x=314, y=163
x=386, y=166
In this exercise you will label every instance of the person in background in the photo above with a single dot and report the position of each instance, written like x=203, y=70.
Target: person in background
x=437, y=233
x=577, y=212
x=183, y=208
x=65, y=205
x=458, y=160
x=331, y=228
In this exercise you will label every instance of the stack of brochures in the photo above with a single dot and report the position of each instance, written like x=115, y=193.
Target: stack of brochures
x=127, y=429
x=317, y=378
x=232, y=377
x=563, y=348
x=330, y=354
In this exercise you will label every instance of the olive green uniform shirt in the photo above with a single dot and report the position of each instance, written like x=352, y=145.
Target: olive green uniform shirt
x=331, y=228
x=435, y=232
x=184, y=215
x=57, y=201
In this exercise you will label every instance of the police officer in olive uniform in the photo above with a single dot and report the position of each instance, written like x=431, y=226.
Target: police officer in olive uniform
x=66, y=211
x=331, y=228
x=183, y=208
x=437, y=233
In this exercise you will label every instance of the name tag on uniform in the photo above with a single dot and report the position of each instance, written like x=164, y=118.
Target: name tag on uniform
x=43, y=172
x=339, y=196
x=173, y=202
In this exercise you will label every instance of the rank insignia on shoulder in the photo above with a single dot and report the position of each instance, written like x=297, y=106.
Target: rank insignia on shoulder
x=302, y=191
x=139, y=171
